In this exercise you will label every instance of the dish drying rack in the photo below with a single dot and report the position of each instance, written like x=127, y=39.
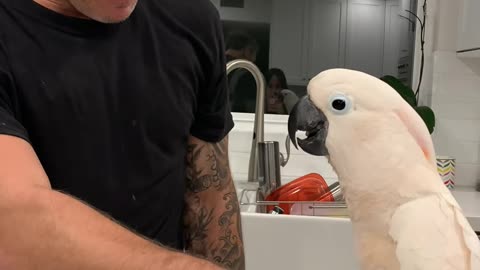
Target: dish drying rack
x=302, y=208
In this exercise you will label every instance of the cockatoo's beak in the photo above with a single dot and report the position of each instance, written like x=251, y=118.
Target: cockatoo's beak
x=306, y=117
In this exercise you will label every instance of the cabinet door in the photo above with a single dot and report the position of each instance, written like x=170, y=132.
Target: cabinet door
x=399, y=41
x=393, y=40
x=469, y=33
x=365, y=36
x=326, y=40
x=287, y=39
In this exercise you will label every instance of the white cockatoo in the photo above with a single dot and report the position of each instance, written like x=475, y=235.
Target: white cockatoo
x=289, y=99
x=403, y=216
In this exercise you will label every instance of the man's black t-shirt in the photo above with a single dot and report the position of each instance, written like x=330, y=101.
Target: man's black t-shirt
x=108, y=108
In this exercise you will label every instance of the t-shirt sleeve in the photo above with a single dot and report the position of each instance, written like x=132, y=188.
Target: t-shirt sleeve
x=9, y=125
x=213, y=118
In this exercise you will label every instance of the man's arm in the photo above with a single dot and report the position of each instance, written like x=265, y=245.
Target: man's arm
x=44, y=229
x=212, y=217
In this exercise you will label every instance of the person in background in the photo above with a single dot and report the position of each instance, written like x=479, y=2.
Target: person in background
x=276, y=82
x=241, y=84
x=114, y=123
x=240, y=45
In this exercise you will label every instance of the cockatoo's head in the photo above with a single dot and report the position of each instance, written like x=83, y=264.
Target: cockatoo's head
x=343, y=101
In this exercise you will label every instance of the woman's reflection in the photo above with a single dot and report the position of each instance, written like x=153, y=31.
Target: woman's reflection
x=276, y=82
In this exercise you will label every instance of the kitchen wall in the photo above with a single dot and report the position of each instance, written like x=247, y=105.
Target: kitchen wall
x=299, y=164
x=452, y=87
x=306, y=37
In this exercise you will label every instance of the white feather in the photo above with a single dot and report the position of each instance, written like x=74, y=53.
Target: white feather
x=289, y=99
x=430, y=234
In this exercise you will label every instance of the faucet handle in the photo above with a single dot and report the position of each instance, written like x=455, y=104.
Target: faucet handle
x=283, y=160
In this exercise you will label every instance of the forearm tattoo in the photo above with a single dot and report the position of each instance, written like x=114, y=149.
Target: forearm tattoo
x=212, y=218
x=208, y=167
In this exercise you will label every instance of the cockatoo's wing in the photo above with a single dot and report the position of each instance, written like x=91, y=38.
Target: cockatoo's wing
x=431, y=233
x=419, y=131
x=471, y=239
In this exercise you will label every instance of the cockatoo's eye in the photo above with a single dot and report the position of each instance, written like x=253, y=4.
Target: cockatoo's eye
x=340, y=104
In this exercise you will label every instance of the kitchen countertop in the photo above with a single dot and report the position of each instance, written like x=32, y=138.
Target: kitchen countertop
x=469, y=201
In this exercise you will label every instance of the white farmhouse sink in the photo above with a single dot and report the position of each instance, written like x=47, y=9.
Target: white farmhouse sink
x=288, y=242
x=284, y=242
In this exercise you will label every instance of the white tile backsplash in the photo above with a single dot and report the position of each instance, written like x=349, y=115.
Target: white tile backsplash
x=458, y=130
x=466, y=174
x=464, y=152
x=299, y=164
x=448, y=62
x=456, y=102
x=453, y=109
x=459, y=87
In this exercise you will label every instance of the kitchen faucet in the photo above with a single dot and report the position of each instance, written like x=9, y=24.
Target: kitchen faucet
x=258, y=128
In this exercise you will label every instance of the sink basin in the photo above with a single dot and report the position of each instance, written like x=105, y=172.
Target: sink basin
x=298, y=242
x=251, y=202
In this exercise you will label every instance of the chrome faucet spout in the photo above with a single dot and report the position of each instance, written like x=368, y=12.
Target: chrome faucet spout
x=258, y=128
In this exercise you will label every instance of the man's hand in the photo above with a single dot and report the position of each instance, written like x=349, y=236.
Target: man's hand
x=44, y=229
x=212, y=217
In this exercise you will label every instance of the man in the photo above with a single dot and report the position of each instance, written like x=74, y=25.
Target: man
x=240, y=45
x=101, y=103
x=242, y=85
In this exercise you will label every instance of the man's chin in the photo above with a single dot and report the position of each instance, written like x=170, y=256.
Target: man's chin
x=112, y=20
x=118, y=15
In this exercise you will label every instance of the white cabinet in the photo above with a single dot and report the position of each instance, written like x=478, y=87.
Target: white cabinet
x=310, y=36
x=307, y=37
x=287, y=34
x=469, y=33
x=399, y=40
x=365, y=36
x=326, y=39
x=378, y=39
x=393, y=42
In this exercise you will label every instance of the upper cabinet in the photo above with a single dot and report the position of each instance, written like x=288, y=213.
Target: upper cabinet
x=399, y=40
x=310, y=36
x=287, y=39
x=469, y=33
x=326, y=35
x=366, y=36
x=307, y=36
